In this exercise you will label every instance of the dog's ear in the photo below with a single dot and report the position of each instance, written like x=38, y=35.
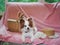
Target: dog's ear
x=22, y=23
x=30, y=22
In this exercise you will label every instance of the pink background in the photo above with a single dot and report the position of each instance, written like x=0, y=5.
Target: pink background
x=38, y=11
x=41, y=15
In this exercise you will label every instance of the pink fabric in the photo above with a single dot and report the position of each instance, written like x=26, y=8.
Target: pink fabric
x=39, y=12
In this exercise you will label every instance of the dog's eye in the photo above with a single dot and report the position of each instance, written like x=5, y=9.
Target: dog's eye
x=24, y=25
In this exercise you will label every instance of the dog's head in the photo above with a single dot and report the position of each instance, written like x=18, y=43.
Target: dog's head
x=26, y=23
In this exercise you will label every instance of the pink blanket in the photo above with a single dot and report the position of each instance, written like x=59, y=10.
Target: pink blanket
x=42, y=15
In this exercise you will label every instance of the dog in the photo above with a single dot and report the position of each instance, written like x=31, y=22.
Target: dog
x=27, y=28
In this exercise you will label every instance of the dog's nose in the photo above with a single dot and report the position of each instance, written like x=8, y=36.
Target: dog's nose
x=28, y=28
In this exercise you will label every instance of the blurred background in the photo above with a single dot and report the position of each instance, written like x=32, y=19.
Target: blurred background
x=3, y=2
x=3, y=5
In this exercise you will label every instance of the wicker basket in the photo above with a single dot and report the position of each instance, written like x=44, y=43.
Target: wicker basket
x=13, y=25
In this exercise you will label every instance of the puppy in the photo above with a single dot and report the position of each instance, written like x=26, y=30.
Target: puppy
x=27, y=28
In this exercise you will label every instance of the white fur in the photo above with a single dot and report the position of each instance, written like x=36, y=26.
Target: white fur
x=32, y=33
x=39, y=35
x=29, y=33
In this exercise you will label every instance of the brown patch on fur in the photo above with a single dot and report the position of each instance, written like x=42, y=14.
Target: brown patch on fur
x=30, y=22
x=22, y=23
